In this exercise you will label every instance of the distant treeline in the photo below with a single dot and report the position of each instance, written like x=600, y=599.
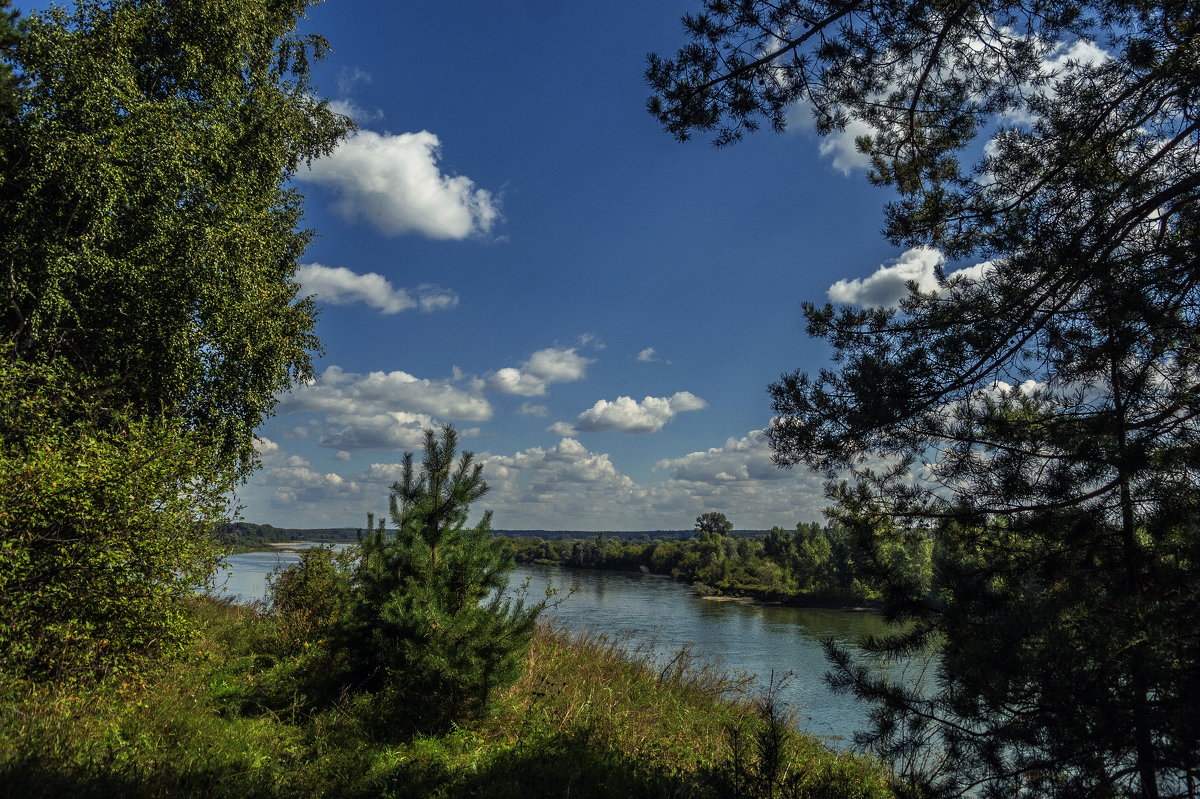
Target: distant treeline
x=245, y=536
x=810, y=565
x=624, y=535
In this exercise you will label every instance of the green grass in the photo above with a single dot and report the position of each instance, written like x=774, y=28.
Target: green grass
x=584, y=720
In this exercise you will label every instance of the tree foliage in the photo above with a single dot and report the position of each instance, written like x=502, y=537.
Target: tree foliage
x=150, y=237
x=1050, y=394
x=427, y=625
x=10, y=34
x=104, y=524
x=148, y=310
x=306, y=596
x=810, y=565
x=713, y=522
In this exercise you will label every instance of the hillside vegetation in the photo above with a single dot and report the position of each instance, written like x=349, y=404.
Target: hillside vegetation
x=582, y=720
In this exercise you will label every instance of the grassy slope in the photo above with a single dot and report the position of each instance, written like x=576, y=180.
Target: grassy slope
x=583, y=721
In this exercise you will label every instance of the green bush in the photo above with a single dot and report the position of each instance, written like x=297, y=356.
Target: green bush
x=305, y=596
x=104, y=528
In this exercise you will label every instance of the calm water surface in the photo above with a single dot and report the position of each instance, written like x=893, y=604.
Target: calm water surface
x=660, y=615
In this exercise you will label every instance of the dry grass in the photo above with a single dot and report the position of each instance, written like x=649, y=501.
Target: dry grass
x=586, y=719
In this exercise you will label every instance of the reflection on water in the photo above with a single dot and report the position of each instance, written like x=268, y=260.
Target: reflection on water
x=658, y=614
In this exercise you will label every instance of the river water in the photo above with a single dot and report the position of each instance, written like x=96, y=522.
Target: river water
x=659, y=615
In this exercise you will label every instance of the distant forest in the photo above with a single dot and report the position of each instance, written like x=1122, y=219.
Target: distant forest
x=245, y=536
x=810, y=565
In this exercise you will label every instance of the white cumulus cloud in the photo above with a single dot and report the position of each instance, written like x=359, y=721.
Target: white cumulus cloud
x=382, y=409
x=338, y=285
x=841, y=146
x=565, y=486
x=396, y=184
x=889, y=284
x=349, y=108
x=395, y=430
x=627, y=415
x=551, y=365
x=546, y=471
x=743, y=459
x=291, y=479
x=338, y=391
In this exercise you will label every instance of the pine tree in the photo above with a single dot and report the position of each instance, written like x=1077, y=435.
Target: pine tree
x=1049, y=399
x=428, y=626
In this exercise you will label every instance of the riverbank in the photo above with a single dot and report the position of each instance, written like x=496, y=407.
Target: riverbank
x=809, y=567
x=799, y=604
x=584, y=719
x=747, y=595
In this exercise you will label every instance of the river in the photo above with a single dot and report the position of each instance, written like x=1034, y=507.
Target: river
x=659, y=614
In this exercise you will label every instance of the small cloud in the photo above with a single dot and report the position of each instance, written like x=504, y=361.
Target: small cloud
x=349, y=77
x=562, y=429
x=842, y=147
x=349, y=108
x=591, y=340
x=435, y=298
x=686, y=401
x=551, y=365
x=890, y=282
x=889, y=285
x=626, y=415
x=527, y=409
x=395, y=183
x=343, y=455
x=649, y=355
x=512, y=381
x=338, y=285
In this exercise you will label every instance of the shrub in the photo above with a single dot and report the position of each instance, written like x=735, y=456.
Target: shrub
x=305, y=596
x=104, y=528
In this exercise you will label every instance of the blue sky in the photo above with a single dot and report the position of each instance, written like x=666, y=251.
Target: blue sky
x=512, y=245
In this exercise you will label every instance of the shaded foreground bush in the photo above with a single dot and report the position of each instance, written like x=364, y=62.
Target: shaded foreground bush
x=582, y=720
x=104, y=520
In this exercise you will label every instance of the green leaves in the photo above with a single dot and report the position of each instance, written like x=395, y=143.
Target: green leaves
x=104, y=528
x=151, y=235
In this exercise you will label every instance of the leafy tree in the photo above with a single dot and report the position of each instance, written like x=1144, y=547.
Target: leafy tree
x=812, y=553
x=150, y=237
x=1051, y=392
x=104, y=523
x=10, y=34
x=427, y=627
x=148, y=313
x=713, y=522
